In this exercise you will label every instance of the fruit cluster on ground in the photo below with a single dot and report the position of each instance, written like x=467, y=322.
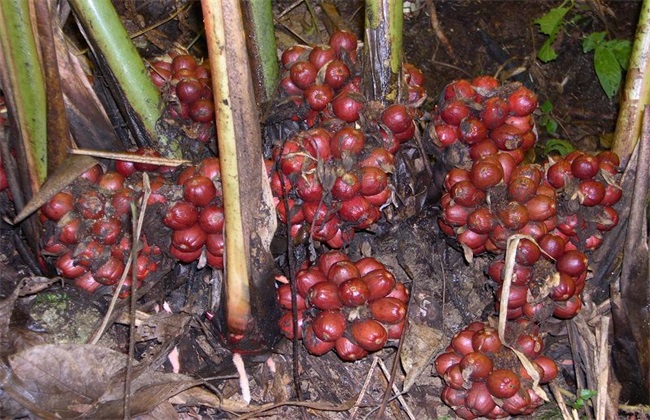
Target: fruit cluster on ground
x=351, y=307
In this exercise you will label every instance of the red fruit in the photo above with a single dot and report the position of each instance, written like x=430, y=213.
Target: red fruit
x=342, y=270
x=558, y=174
x=329, y=325
x=324, y=296
x=367, y=264
x=71, y=230
x=185, y=257
x=380, y=283
x=455, y=175
x=347, y=140
x=522, y=102
x=445, y=361
x=388, y=310
x=458, y=89
x=397, y=118
x=513, y=215
x=309, y=188
x=541, y=208
x=202, y=110
x=485, y=174
x=535, y=229
x=508, y=165
x=67, y=267
x=303, y=74
x=607, y=220
x=308, y=277
x=461, y=342
x=321, y=55
x=486, y=340
x=517, y=297
x=109, y=272
x=87, y=282
x=478, y=400
x=318, y=96
x=349, y=351
x=503, y=383
x=107, y=231
x=483, y=149
x=373, y=180
x=518, y=403
x=327, y=260
x=467, y=194
x=90, y=205
x=472, y=130
x=585, y=166
x=315, y=345
x=568, y=309
x=472, y=239
x=211, y=219
x=475, y=366
x=524, y=123
x=183, y=61
x=507, y=137
x=565, y=288
x=444, y=135
x=612, y=195
x=199, y=190
x=485, y=85
x=58, y=206
x=337, y=74
x=553, y=245
x=347, y=105
x=181, y=215
x=549, y=367
x=522, y=189
x=289, y=87
x=291, y=55
x=354, y=292
x=346, y=186
x=355, y=210
x=160, y=73
x=344, y=41
x=111, y=181
x=572, y=262
x=286, y=325
x=457, y=215
x=494, y=113
x=190, y=239
x=399, y=292
x=369, y=334
x=453, y=112
x=189, y=90
x=590, y=192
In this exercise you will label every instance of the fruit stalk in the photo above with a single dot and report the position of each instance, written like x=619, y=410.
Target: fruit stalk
x=383, y=49
x=258, y=20
x=108, y=37
x=637, y=90
x=250, y=309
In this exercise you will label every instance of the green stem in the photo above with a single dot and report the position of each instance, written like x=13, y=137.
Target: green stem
x=262, y=48
x=637, y=89
x=23, y=86
x=105, y=29
x=383, y=49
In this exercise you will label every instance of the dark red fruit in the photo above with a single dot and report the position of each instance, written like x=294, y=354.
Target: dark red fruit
x=199, y=190
x=329, y=325
x=303, y=74
x=369, y=334
x=347, y=105
x=337, y=74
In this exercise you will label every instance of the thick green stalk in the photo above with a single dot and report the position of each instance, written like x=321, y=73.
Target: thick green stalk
x=262, y=48
x=383, y=50
x=23, y=86
x=104, y=27
x=637, y=89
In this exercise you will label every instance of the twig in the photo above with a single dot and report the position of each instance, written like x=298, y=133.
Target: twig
x=566, y=415
x=391, y=382
x=435, y=25
x=129, y=157
x=364, y=388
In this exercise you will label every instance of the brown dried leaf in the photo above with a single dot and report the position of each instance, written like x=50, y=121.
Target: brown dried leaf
x=65, y=174
x=421, y=344
x=32, y=285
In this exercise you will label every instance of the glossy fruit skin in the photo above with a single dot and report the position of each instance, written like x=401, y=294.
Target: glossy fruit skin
x=397, y=118
x=199, y=190
x=485, y=174
x=181, y=215
x=349, y=351
x=337, y=74
x=388, y=310
x=318, y=96
x=190, y=239
x=475, y=366
x=211, y=219
x=369, y=334
x=329, y=325
x=347, y=106
x=303, y=74
x=315, y=345
x=347, y=140
x=60, y=204
x=354, y=292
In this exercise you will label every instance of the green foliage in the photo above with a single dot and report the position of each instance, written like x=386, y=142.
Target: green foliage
x=559, y=146
x=546, y=120
x=583, y=396
x=610, y=56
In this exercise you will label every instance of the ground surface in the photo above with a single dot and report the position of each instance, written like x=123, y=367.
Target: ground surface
x=486, y=37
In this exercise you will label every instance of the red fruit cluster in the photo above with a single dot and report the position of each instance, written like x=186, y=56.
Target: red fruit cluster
x=484, y=378
x=485, y=116
x=351, y=307
x=335, y=175
x=87, y=229
x=187, y=91
x=197, y=218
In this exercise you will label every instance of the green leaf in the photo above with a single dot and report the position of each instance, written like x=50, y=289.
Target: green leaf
x=546, y=107
x=551, y=22
x=608, y=70
x=593, y=40
x=587, y=394
x=559, y=146
x=547, y=53
x=551, y=126
x=621, y=48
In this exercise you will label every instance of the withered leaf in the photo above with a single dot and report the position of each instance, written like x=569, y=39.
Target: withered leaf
x=421, y=344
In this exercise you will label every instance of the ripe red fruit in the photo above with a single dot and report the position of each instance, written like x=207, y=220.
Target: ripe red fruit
x=291, y=55
x=58, y=206
x=315, y=345
x=475, y=366
x=373, y=180
x=199, y=190
x=111, y=181
x=369, y=334
x=507, y=137
x=327, y=260
x=344, y=41
x=444, y=135
x=211, y=219
x=541, y=208
x=188, y=90
x=286, y=325
x=522, y=102
x=337, y=74
x=324, y=296
x=483, y=149
x=478, y=400
x=585, y=166
x=190, y=239
x=458, y=89
x=388, y=310
x=183, y=61
x=347, y=140
x=568, y=309
x=513, y=215
x=467, y=194
x=318, y=96
x=354, y=292
x=522, y=189
x=342, y=270
x=472, y=130
x=303, y=74
x=347, y=106
x=591, y=192
x=485, y=174
x=494, y=113
x=67, y=266
x=355, y=210
x=349, y=351
x=486, y=340
x=346, y=186
x=558, y=174
x=181, y=215
x=329, y=325
x=455, y=215
x=321, y=55
x=107, y=231
x=308, y=277
x=202, y=110
x=397, y=118
x=453, y=112
x=503, y=383
x=572, y=262
x=485, y=85
x=380, y=283
x=445, y=361
x=90, y=205
x=482, y=220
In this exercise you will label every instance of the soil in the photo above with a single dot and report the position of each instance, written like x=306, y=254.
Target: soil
x=484, y=37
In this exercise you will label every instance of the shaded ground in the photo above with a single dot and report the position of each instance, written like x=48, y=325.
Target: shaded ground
x=486, y=37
